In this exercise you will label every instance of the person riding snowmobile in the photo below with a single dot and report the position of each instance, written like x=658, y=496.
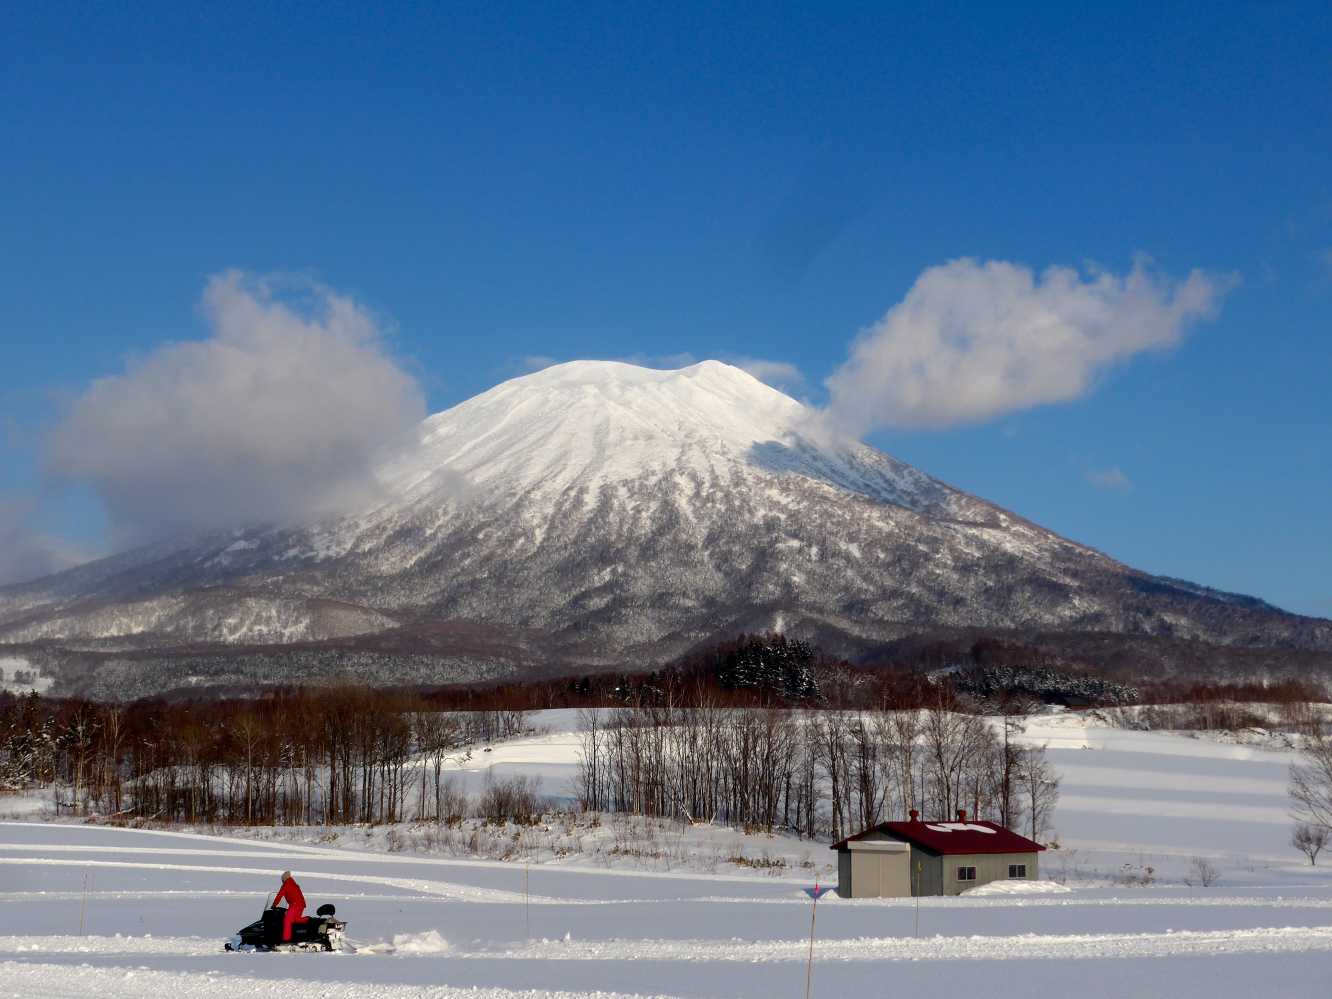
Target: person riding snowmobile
x=291, y=894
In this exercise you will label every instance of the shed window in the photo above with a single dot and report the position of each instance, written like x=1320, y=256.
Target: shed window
x=966, y=874
x=1017, y=870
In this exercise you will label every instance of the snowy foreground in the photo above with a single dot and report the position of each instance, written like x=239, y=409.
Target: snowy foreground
x=158, y=905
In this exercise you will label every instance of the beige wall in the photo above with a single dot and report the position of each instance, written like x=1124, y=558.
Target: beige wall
x=880, y=875
x=989, y=867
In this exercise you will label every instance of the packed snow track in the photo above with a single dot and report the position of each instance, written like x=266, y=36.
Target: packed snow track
x=121, y=913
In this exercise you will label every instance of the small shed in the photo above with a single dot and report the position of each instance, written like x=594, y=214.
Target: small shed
x=898, y=859
x=878, y=868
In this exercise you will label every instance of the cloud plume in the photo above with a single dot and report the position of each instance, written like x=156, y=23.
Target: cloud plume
x=1112, y=478
x=974, y=340
x=781, y=375
x=281, y=413
x=25, y=552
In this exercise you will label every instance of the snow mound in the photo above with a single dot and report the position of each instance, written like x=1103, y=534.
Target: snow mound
x=429, y=942
x=1018, y=887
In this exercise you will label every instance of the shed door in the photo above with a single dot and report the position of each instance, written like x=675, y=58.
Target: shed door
x=895, y=875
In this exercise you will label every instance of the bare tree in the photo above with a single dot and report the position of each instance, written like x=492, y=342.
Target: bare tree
x=900, y=729
x=1297, y=714
x=865, y=781
x=80, y=730
x=1013, y=712
x=439, y=740
x=1311, y=780
x=112, y=743
x=1203, y=872
x=591, y=775
x=1040, y=788
x=955, y=745
x=249, y=733
x=829, y=729
x=1309, y=840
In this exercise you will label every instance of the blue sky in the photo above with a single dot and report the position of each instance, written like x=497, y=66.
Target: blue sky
x=505, y=181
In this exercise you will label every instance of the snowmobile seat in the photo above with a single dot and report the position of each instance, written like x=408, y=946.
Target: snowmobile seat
x=327, y=909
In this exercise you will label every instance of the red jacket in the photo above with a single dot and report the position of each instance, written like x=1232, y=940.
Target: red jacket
x=291, y=892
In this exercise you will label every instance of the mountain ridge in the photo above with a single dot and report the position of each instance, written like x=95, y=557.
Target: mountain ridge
x=621, y=511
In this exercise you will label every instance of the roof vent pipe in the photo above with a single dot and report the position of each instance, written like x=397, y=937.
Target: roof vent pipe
x=961, y=815
x=915, y=815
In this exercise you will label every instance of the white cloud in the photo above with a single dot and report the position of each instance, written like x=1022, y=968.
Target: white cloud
x=975, y=340
x=281, y=413
x=778, y=374
x=1112, y=478
x=25, y=552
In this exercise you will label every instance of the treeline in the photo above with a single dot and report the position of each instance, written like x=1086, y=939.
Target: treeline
x=1283, y=691
x=768, y=670
x=1288, y=705
x=761, y=731
x=352, y=755
x=813, y=772
x=1047, y=684
x=337, y=755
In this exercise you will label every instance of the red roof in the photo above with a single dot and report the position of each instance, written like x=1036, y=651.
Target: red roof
x=951, y=837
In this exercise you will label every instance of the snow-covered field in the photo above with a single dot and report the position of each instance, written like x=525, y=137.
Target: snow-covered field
x=1142, y=799
x=158, y=905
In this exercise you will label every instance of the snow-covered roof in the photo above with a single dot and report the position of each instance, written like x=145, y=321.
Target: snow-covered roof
x=950, y=837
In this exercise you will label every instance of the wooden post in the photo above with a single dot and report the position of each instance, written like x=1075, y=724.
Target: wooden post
x=915, y=928
x=83, y=906
x=809, y=966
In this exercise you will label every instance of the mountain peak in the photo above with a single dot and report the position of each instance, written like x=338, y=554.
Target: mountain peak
x=621, y=379
x=589, y=423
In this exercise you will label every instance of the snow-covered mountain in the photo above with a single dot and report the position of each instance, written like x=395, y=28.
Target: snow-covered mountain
x=610, y=513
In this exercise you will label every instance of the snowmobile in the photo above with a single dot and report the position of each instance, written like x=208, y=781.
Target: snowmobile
x=320, y=932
